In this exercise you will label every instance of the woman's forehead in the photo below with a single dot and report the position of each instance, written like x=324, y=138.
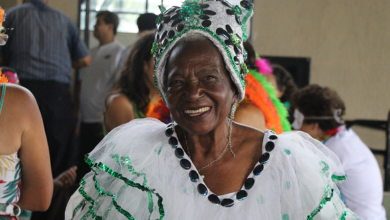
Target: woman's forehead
x=201, y=49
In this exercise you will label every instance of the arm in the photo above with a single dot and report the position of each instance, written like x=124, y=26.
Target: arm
x=77, y=48
x=37, y=180
x=119, y=111
x=83, y=62
x=249, y=114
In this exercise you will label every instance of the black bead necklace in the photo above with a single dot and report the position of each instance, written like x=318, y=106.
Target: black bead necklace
x=195, y=177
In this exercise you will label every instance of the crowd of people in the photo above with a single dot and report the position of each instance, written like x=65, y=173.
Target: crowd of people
x=186, y=123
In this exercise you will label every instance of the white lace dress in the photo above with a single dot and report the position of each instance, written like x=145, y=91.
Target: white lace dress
x=138, y=174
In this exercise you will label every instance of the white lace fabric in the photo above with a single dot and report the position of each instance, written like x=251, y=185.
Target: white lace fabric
x=294, y=182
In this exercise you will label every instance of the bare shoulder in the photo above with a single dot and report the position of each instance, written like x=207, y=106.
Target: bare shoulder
x=19, y=98
x=249, y=114
x=249, y=108
x=119, y=100
x=119, y=110
x=19, y=91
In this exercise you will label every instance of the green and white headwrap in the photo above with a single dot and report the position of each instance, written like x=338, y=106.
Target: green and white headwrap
x=221, y=22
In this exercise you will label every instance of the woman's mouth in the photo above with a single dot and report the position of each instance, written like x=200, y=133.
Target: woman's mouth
x=197, y=112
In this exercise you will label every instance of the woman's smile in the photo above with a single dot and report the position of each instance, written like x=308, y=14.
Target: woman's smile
x=198, y=112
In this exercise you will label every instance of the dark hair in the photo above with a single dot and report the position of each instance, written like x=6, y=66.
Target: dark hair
x=313, y=100
x=251, y=60
x=146, y=22
x=109, y=18
x=132, y=80
x=284, y=82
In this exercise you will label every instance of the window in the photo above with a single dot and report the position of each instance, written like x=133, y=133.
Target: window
x=127, y=11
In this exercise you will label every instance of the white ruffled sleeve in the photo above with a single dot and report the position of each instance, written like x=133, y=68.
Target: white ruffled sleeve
x=317, y=169
x=101, y=193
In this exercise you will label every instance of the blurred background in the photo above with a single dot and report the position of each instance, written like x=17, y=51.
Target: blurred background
x=341, y=44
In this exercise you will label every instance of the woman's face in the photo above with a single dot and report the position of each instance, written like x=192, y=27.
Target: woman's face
x=199, y=91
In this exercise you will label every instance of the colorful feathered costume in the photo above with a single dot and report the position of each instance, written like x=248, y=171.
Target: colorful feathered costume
x=262, y=94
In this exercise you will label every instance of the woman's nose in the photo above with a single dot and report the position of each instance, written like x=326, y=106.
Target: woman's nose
x=194, y=92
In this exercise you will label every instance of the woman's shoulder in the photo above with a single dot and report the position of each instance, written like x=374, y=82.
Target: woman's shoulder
x=134, y=136
x=19, y=99
x=138, y=128
x=311, y=171
x=247, y=133
x=19, y=92
x=119, y=100
x=302, y=144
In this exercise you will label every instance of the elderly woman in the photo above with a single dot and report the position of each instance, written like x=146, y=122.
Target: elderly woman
x=205, y=166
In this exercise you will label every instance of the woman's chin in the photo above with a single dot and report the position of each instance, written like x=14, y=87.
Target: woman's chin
x=199, y=127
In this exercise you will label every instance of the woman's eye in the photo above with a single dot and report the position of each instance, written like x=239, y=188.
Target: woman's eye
x=176, y=82
x=210, y=78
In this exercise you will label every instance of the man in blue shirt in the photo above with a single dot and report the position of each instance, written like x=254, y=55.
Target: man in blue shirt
x=43, y=46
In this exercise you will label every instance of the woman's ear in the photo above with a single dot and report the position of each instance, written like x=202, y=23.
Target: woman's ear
x=235, y=99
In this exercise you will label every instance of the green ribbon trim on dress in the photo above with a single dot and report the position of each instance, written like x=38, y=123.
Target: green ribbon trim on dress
x=114, y=202
x=125, y=161
x=345, y=213
x=336, y=178
x=326, y=198
x=78, y=207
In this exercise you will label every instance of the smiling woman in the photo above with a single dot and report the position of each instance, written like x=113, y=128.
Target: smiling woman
x=148, y=170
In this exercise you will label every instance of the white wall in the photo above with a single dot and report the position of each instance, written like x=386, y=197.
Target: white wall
x=348, y=42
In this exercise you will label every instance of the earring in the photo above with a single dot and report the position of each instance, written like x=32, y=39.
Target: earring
x=233, y=110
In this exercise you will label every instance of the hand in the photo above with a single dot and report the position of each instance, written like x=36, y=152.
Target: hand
x=66, y=178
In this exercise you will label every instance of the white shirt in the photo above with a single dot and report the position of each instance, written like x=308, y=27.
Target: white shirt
x=98, y=79
x=363, y=190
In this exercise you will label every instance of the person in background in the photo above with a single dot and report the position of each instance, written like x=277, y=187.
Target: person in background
x=43, y=46
x=135, y=95
x=146, y=24
x=65, y=180
x=261, y=108
x=25, y=175
x=318, y=111
x=96, y=82
x=282, y=80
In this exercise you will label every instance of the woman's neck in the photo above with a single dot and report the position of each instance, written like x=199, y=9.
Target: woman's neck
x=209, y=145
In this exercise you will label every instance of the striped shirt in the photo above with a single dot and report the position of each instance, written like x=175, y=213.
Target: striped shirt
x=42, y=43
